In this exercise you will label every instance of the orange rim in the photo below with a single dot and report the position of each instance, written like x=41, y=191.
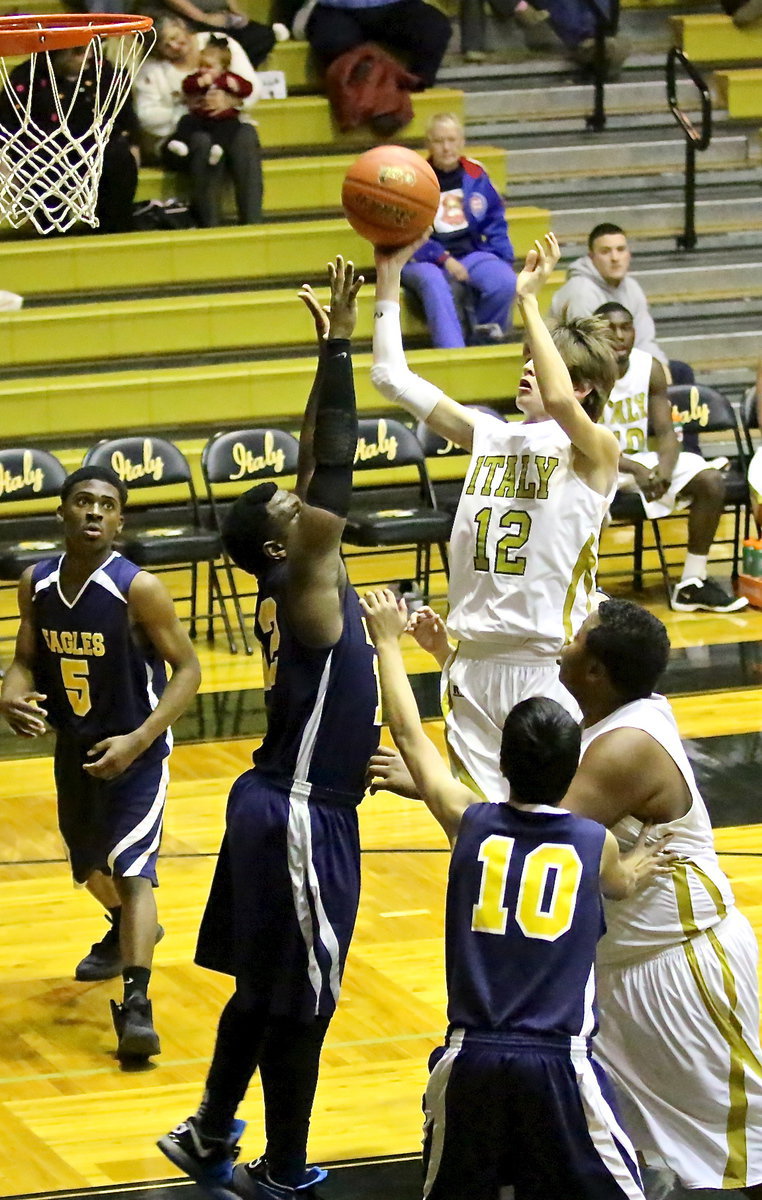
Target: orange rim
x=60, y=31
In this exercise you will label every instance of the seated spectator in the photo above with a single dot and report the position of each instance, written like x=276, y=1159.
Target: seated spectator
x=214, y=72
x=602, y=275
x=743, y=12
x=71, y=79
x=417, y=30
x=160, y=106
x=533, y=23
x=225, y=16
x=666, y=479
x=576, y=24
x=469, y=245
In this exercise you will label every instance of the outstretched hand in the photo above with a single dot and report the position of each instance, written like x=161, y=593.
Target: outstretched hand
x=386, y=616
x=391, y=259
x=344, y=288
x=387, y=772
x=649, y=857
x=540, y=263
x=320, y=312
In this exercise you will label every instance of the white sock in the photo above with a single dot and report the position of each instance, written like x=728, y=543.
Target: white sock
x=695, y=567
x=177, y=147
x=215, y=154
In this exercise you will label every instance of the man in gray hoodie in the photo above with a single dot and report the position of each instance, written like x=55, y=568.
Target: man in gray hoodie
x=602, y=275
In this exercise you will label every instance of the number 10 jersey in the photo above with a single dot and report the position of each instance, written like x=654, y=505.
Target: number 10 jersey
x=524, y=545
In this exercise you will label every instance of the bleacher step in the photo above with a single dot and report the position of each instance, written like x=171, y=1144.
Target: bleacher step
x=713, y=38
x=549, y=103
x=254, y=393
x=660, y=220
x=741, y=91
x=93, y=264
x=652, y=156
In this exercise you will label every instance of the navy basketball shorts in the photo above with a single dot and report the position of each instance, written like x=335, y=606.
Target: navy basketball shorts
x=283, y=901
x=532, y=1112
x=110, y=825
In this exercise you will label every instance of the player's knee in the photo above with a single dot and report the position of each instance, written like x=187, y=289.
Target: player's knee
x=708, y=487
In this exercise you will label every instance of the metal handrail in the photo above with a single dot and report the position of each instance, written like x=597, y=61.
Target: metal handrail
x=606, y=24
x=695, y=139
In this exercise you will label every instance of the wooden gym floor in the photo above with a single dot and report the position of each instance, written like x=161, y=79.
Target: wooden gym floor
x=72, y=1121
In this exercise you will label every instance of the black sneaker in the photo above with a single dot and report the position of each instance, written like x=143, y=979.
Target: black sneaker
x=251, y=1181
x=207, y=1161
x=105, y=959
x=704, y=595
x=133, y=1022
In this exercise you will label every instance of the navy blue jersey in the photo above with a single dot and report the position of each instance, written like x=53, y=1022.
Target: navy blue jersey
x=323, y=706
x=524, y=916
x=99, y=677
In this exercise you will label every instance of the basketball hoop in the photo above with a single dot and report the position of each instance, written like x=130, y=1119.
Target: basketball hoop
x=51, y=158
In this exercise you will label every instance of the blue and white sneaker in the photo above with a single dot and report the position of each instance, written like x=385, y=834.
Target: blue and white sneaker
x=207, y=1161
x=251, y=1181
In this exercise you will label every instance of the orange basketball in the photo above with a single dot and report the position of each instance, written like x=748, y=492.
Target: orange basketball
x=390, y=194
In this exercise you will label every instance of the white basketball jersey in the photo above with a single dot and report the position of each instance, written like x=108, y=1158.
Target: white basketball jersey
x=626, y=411
x=696, y=894
x=524, y=544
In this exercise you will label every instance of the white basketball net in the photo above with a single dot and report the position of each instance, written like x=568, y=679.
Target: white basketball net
x=51, y=177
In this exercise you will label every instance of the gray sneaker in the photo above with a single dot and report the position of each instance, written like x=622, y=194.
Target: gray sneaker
x=104, y=960
x=704, y=595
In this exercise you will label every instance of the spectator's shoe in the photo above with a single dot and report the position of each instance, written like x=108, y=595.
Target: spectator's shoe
x=617, y=51
x=748, y=13
x=133, y=1022
x=704, y=595
x=282, y=32
x=487, y=335
x=207, y=1161
x=178, y=148
x=536, y=30
x=215, y=154
x=251, y=1181
x=105, y=959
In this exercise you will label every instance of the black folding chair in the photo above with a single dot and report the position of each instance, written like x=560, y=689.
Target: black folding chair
x=177, y=542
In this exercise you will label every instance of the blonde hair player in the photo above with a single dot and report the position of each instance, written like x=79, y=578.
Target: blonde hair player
x=525, y=539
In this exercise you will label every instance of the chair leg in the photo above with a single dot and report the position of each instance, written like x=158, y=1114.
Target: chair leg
x=223, y=609
x=662, y=560
x=248, y=648
x=209, y=605
x=193, y=597
x=443, y=554
x=637, y=556
x=736, y=541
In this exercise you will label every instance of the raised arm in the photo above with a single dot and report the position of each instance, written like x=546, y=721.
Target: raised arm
x=19, y=702
x=595, y=442
x=445, y=798
x=152, y=611
x=321, y=318
x=315, y=575
x=391, y=375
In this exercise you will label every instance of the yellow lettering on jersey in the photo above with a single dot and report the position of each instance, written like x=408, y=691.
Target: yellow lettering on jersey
x=546, y=465
x=507, y=485
x=490, y=915
x=491, y=462
x=627, y=409
x=524, y=490
x=555, y=867
x=74, y=672
x=385, y=446
x=151, y=466
x=30, y=477
x=471, y=485
x=267, y=619
x=74, y=641
x=250, y=464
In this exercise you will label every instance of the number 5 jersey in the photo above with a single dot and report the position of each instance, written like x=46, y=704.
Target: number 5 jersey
x=99, y=676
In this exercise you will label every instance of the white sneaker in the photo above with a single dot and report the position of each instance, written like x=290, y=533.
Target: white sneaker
x=215, y=154
x=282, y=32
x=177, y=147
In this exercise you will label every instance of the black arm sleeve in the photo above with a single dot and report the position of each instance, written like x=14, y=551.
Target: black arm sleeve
x=335, y=438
